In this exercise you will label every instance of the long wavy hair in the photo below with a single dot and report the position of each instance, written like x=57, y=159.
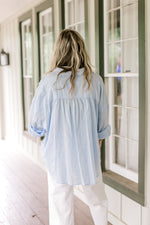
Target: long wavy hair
x=69, y=53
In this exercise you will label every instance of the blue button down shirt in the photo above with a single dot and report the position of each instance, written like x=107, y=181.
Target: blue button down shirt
x=72, y=127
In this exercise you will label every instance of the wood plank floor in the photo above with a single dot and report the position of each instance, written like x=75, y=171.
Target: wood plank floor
x=24, y=192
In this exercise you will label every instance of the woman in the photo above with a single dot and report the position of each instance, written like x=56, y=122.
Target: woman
x=71, y=107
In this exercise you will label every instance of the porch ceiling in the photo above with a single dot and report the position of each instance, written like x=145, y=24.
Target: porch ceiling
x=10, y=7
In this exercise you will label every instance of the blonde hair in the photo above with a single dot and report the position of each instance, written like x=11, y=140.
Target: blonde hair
x=69, y=53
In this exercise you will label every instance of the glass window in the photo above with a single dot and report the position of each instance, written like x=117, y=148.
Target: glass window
x=121, y=78
x=27, y=65
x=46, y=34
x=75, y=15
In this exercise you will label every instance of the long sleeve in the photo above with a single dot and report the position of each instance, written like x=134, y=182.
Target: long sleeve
x=39, y=111
x=103, y=127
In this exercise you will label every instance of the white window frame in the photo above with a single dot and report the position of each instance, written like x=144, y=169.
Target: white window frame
x=123, y=171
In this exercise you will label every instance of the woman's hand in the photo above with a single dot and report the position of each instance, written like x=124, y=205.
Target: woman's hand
x=100, y=142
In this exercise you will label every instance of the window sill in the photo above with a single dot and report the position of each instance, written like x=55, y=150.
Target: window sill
x=123, y=185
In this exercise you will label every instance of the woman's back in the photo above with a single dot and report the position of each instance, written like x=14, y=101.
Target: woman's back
x=73, y=125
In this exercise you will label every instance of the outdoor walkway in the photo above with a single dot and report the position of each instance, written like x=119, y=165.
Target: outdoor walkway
x=24, y=191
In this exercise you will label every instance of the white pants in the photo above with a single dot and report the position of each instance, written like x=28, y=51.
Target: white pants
x=61, y=205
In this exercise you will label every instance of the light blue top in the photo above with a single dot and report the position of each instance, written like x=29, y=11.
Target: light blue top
x=73, y=127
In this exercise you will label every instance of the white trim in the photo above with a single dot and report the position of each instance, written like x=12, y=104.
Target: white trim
x=77, y=23
x=124, y=172
x=121, y=40
x=46, y=11
x=124, y=106
x=124, y=137
x=26, y=22
x=122, y=75
x=27, y=76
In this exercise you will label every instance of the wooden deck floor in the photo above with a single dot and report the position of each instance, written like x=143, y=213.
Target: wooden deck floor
x=23, y=199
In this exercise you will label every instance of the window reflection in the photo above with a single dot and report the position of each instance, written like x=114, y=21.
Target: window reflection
x=130, y=56
x=119, y=121
x=27, y=49
x=130, y=21
x=46, y=39
x=114, y=58
x=132, y=92
x=132, y=147
x=75, y=15
x=28, y=95
x=118, y=89
x=119, y=146
x=132, y=124
x=109, y=38
x=109, y=5
x=80, y=29
x=116, y=3
x=80, y=10
x=116, y=25
x=70, y=12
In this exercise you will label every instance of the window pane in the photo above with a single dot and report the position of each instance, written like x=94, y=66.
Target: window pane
x=113, y=25
x=43, y=25
x=79, y=10
x=128, y=2
x=109, y=5
x=130, y=21
x=46, y=22
x=47, y=44
x=132, y=92
x=28, y=46
x=119, y=90
x=130, y=56
x=116, y=25
x=116, y=3
x=25, y=32
x=27, y=49
x=132, y=124
x=114, y=58
x=46, y=63
x=28, y=67
x=70, y=12
x=110, y=52
x=119, y=119
x=109, y=32
x=75, y=15
x=81, y=30
x=132, y=147
x=50, y=22
x=46, y=39
x=112, y=4
x=28, y=95
x=119, y=145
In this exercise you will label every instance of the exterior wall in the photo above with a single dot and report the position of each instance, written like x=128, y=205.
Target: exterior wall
x=122, y=210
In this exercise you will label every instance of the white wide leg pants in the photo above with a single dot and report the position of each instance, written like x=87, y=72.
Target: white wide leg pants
x=61, y=204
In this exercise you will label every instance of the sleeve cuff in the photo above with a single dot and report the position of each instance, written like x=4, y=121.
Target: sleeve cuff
x=36, y=132
x=104, y=133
